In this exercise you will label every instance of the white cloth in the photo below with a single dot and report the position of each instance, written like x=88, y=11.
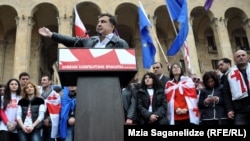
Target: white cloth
x=237, y=84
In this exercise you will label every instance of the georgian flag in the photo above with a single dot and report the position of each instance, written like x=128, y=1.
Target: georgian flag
x=80, y=29
x=237, y=84
x=53, y=103
x=187, y=88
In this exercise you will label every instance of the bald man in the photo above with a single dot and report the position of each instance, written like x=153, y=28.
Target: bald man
x=236, y=90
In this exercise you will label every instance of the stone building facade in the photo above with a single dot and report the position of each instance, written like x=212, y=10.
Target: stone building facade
x=212, y=35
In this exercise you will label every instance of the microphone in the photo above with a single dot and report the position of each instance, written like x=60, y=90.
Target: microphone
x=77, y=41
x=79, y=38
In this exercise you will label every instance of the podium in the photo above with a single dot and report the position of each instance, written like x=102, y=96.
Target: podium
x=99, y=75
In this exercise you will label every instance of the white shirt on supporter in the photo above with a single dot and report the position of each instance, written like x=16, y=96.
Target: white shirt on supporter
x=150, y=93
x=10, y=111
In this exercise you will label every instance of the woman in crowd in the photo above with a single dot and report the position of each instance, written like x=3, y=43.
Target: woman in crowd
x=30, y=114
x=211, y=102
x=10, y=98
x=129, y=101
x=182, y=98
x=152, y=104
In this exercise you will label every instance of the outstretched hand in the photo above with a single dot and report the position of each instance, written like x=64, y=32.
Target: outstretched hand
x=45, y=32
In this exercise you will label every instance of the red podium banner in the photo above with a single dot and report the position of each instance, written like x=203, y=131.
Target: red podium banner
x=85, y=59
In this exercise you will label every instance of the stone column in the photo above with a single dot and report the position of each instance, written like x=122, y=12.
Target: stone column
x=221, y=36
x=22, y=45
x=195, y=69
x=246, y=25
x=65, y=24
x=3, y=45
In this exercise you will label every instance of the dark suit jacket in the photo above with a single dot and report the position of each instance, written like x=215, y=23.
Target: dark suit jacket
x=164, y=80
x=115, y=41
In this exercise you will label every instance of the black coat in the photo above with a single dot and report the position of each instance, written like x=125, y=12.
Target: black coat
x=159, y=105
x=34, y=104
x=212, y=111
x=129, y=102
x=164, y=80
x=115, y=42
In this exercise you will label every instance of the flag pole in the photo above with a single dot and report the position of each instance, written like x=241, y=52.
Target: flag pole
x=175, y=30
x=159, y=44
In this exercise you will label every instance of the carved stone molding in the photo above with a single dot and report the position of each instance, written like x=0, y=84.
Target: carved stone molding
x=214, y=22
x=246, y=22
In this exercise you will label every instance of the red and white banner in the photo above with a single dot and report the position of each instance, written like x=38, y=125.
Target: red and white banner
x=96, y=59
x=80, y=29
x=186, y=55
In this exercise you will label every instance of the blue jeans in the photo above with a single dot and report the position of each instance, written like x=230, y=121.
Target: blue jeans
x=70, y=133
x=33, y=136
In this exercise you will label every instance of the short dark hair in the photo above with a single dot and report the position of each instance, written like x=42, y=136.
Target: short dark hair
x=112, y=19
x=159, y=63
x=23, y=74
x=47, y=75
x=225, y=60
x=210, y=74
x=57, y=88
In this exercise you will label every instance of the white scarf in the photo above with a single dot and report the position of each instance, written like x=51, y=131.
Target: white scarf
x=187, y=88
x=237, y=84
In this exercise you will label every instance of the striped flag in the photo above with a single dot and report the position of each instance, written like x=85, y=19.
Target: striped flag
x=80, y=29
x=186, y=55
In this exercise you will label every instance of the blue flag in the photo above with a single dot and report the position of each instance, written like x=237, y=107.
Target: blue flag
x=67, y=105
x=178, y=12
x=148, y=48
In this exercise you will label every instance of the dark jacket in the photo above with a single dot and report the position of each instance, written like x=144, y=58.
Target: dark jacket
x=212, y=111
x=115, y=41
x=35, y=104
x=241, y=105
x=164, y=80
x=129, y=102
x=159, y=105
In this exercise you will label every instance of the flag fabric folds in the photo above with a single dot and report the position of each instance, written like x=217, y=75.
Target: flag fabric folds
x=67, y=105
x=208, y=4
x=148, y=48
x=178, y=12
x=80, y=29
x=186, y=55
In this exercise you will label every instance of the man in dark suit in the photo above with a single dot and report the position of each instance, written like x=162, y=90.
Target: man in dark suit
x=224, y=64
x=105, y=39
x=157, y=70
